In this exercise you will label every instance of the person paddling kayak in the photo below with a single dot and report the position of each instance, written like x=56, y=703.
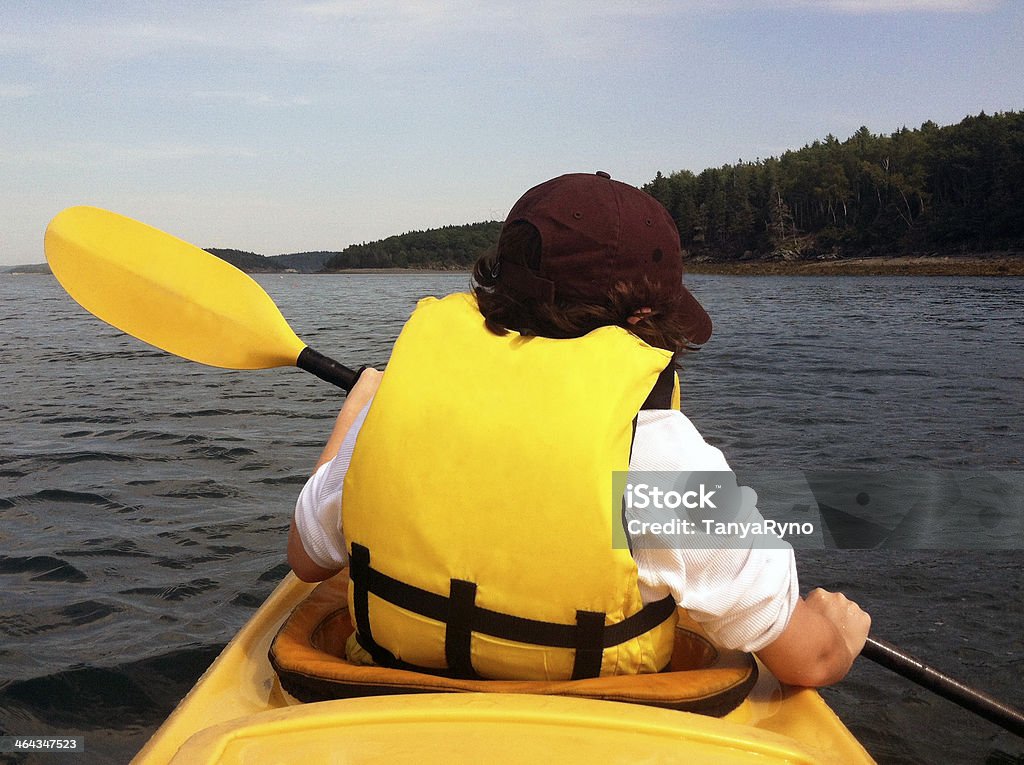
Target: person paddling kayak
x=467, y=488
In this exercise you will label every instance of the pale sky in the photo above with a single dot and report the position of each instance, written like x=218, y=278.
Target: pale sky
x=275, y=126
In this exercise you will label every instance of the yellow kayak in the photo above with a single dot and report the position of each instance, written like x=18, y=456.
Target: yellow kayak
x=239, y=713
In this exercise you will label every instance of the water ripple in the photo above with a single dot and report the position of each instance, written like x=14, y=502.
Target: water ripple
x=45, y=568
x=175, y=592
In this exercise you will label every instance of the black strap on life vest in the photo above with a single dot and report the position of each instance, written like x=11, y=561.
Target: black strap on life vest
x=589, y=636
x=660, y=396
x=458, y=634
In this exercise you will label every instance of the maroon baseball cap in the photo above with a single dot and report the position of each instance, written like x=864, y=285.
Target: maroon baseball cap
x=595, y=232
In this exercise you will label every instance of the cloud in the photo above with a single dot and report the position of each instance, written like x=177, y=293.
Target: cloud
x=883, y=6
x=696, y=8
x=320, y=31
x=370, y=33
x=250, y=98
x=251, y=55
x=903, y=6
x=91, y=154
x=69, y=44
x=16, y=91
x=395, y=10
x=454, y=13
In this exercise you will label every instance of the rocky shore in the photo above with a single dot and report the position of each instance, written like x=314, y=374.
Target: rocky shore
x=988, y=264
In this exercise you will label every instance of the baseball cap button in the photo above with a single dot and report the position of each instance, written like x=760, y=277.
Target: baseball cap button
x=603, y=174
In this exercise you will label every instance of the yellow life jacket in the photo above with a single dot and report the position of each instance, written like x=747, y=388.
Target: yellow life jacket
x=478, y=506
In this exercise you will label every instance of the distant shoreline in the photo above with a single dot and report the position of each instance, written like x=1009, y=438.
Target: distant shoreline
x=902, y=265
x=987, y=264
x=395, y=271
x=979, y=264
x=993, y=264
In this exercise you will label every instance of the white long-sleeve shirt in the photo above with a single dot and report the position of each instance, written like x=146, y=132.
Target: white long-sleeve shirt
x=742, y=597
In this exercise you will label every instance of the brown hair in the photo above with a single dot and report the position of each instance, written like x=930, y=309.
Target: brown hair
x=503, y=310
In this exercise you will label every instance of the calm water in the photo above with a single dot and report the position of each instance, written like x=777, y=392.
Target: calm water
x=145, y=499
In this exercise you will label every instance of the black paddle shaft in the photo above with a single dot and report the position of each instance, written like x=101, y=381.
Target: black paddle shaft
x=983, y=705
x=328, y=369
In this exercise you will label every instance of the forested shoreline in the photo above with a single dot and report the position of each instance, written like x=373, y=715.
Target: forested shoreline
x=903, y=201
x=448, y=248
x=917, y=201
x=933, y=190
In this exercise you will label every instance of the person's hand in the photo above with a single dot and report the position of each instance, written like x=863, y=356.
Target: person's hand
x=360, y=395
x=850, y=620
x=365, y=387
x=826, y=632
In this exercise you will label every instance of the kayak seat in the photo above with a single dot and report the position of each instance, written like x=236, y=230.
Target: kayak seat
x=308, y=655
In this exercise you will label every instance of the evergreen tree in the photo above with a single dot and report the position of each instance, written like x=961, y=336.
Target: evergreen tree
x=934, y=187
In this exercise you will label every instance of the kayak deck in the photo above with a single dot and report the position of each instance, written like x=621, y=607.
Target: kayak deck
x=238, y=713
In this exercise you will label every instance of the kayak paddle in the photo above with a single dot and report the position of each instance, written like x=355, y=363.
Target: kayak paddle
x=175, y=296
x=915, y=670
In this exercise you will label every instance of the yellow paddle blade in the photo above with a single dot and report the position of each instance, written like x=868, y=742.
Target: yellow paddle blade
x=167, y=292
